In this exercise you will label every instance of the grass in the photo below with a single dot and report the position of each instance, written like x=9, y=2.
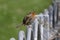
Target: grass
x=12, y=13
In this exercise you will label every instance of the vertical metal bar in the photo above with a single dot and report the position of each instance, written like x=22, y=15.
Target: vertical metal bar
x=21, y=35
x=41, y=23
x=35, y=30
x=12, y=38
x=46, y=22
x=53, y=2
x=29, y=30
x=51, y=16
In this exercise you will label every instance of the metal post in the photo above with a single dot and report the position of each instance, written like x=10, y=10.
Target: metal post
x=54, y=13
x=35, y=30
x=12, y=38
x=46, y=23
x=51, y=16
x=41, y=23
x=21, y=35
x=29, y=30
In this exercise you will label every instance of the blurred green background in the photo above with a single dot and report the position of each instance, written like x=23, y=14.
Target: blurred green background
x=12, y=13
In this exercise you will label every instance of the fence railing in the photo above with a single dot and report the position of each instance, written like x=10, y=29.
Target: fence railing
x=42, y=27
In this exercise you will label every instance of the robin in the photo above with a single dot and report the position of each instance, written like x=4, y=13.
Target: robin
x=28, y=19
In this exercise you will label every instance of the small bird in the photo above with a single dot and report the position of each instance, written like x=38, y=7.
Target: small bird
x=28, y=19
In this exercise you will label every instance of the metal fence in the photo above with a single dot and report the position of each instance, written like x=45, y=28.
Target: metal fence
x=43, y=26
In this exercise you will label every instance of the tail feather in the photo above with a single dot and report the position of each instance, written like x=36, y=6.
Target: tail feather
x=19, y=25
